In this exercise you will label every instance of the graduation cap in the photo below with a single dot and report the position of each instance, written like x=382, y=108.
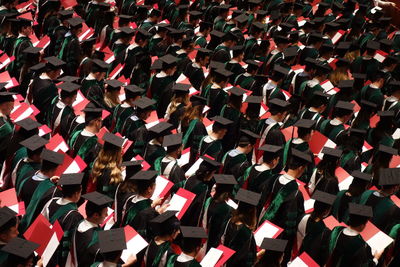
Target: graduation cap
x=331, y=26
x=217, y=34
x=214, y=65
x=344, y=105
x=237, y=91
x=164, y=222
x=304, y=123
x=71, y=179
x=301, y=155
x=181, y=88
x=6, y=215
x=69, y=87
x=360, y=210
x=257, y=26
x=277, y=103
x=198, y=100
x=28, y=124
x=161, y=129
x=388, y=150
x=75, y=22
x=248, y=197
x=126, y=31
x=99, y=65
x=342, y=62
x=65, y=13
x=113, y=139
x=226, y=179
x=359, y=76
x=221, y=121
x=193, y=232
x=362, y=175
x=262, y=13
x=195, y=14
x=20, y=247
x=281, y=70
x=353, y=130
x=389, y=176
x=275, y=14
x=38, y=68
x=68, y=79
x=112, y=240
x=168, y=60
x=144, y=175
x=32, y=50
x=243, y=18
x=52, y=156
x=343, y=46
x=54, y=63
x=271, y=148
x=97, y=198
x=365, y=103
x=373, y=45
x=272, y=244
x=386, y=113
x=223, y=73
x=144, y=103
x=172, y=140
x=114, y=83
x=210, y=163
x=346, y=84
x=324, y=197
x=203, y=52
x=281, y=39
x=290, y=52
x=247, y=137
x=334, y=152
x=252, y=99
x=132, y=167
x=6, y=97
x=315, y=37
x=34, y=142
x=92, y=112
x=132, y=91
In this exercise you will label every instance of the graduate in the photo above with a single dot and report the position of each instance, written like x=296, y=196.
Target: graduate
x=367, y=64
x=83, y=142
x=385, y=212
x=154, y=148
x=111, y=96
x=27, y=165
x=152, y=19
x=217, y=209
x=373, y=91
x=222, y=51
x=312, y=234
x=236, y=161
x=20, y=252
x=165, y=228
x=314, y=42
x=177, y=37
x=246, y=79
x=40, y=188
x=346, y=246
x=8, y=227
x=334, y=129
x=200, y=183
x=307, y=88
x=43, y=89
x=256, y=31
x=61, y=114
x=238, y=232
x=85, y=238
x=6, y=126
x=286, y=207
x=167, y=166
x=195, y=71
x=21, y=43
x=204, y=30
x=211, y=144
x=179, y=101
x=220, y=21
x=122, y=43
x=65, y=210
x=139, y=209
x=70, y=50
x=234, y=65
x=92, y=86
x=281, y=42
x=125, y=110
x=191, y=244
x=190, y=26
x=272, y=252
x=182, y=54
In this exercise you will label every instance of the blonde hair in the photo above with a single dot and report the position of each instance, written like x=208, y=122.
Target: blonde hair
x=108, y=159
x=176, y=101
x=338, y=75
x=111, y=99
x=351, y=56
x=191, y=113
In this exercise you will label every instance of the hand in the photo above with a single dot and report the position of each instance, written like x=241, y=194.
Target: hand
x=131, y=260
x=156, y=202
x=40, y=263
x=378, y=254
x=55, y=179
x=163, y=208
x=260, y=254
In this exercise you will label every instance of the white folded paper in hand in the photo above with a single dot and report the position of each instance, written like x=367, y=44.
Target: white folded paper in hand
x=211, y=258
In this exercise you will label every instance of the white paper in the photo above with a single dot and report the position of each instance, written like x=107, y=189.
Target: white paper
x=297, y=262
x=344, y=185
x=336, y=37
x=309, y=204
x=396, y=134
x=266, y=230
x=327, y=86
x=232, y=204
x=176, y=204
x=194, y=168
x=133, y=247
x=161, y=183
x=181, y=78
x=211, y=258
x=50, y=249
x=379, y=241
x=184, y=159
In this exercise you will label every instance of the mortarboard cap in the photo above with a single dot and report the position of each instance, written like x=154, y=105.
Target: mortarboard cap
x=324, y=197
x=344, y=46
x=161, y=128
x=387, y=149
x=272, y=244
x=210, y=162
x=54, y=63
x=52, y=156
x=280, y=70
x=69, y=87
x=68, y=79
x=198, y=100
x=20, y=247
x=144, y=103
x=132, y=90
x=360, y=210
x=253, y=99
x=216, y=65
x=389, y=176
x=71, y=179
x=66, y=13
x=257, y=26
x=99, y=65
x=344, y=105
x=193, y=232
x=362, y=175
x=34, y=142
x=386, y=113
x=346, y=84
x=169, y=59
x=373, y=45
x=172, y=140
x=250, y=134
x=6, y=96
x=144, y=175
x=164, y=222
x=182, y=88
x=270, y=148
x=301, y=155
x=28, y=124
x=237, y=91
x=248, y=197
x=97, y=198
x=225, y=179
x=202, y=52
x=221, y=120
x=365, y=103
x=290, y=52
x=112, y=240
x=242, y=18
x=334, y=152
x=278, y=103
x=304, y=123
x=223, y=72
x=40, y=67
x=75, y=22
x=114, y=83
x=113, y=139
x=6, y=214
x=32, y=50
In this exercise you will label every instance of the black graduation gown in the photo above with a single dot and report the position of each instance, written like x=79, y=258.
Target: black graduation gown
x=43, y=91
x=153, y=152
x=174, y=117
x=195, y=75
x=221, y=55
x=176, y=174
x=218, y=214
x=235, y=164
x=236, y=68
x=86, y=255
x=94, y=92
x=141, y=221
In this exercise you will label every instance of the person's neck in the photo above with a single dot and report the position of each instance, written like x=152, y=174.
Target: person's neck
x=241, y=149
x=91, y=129
x=356, y=228
x=191, y=254
x=341, y=119
x=273, y=82
x=294, y=173
x=378, y=85
x=70, y=199
x=173, y=155
x=276, y=118
x=47, y=173
x=214, y=135
x=269, y=165
x=91, y=220
x=161, y=239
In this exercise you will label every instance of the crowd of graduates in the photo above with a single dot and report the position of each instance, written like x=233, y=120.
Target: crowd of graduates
x=255, y=107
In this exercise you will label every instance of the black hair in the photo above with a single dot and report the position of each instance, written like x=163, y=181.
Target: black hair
x=268, y=157
x=340, y=112
x=320, y=209
x=48, y=166
x=92, y=208
x=8, y=225
x=189, y=245
x=65, y=94
x=295, y=163
x=302, y=132
x=356, y=220
x=70, y=190
x=173, y=148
